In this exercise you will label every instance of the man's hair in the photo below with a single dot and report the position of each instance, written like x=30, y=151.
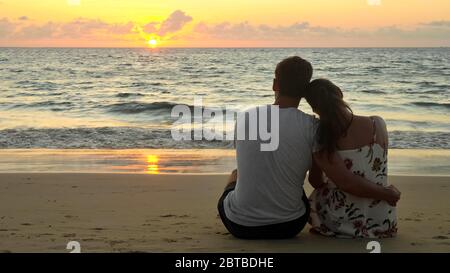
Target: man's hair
x=293, y=75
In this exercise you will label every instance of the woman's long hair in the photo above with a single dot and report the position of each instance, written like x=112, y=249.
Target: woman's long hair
x=326, y=99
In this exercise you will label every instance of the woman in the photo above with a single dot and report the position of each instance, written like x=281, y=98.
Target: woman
x=363, y=143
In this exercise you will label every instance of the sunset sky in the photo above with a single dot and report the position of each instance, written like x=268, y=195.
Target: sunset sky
x=231, y=23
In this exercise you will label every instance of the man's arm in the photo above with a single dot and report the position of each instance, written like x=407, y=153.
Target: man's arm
x=347, y=181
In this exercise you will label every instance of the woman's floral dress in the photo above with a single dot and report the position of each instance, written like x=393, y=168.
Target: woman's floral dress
x=336, y=213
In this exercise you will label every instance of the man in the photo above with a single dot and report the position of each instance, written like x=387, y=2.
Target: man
x=265, y=198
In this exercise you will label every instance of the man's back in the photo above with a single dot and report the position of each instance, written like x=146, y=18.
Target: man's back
x=270, y=184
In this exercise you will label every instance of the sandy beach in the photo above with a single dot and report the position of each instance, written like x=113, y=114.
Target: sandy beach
x=177, y=213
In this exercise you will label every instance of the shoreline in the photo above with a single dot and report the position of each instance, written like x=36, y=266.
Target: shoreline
x=177, y=213
x=405, y=162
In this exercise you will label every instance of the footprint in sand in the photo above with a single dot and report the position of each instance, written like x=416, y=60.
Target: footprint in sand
x=175, y=216
x=113, y=243
x=167, y=216
x=167, y=240
x=98, y=229
x=410, y=219
x=45, y=234
x=6, y=230
x=441, y=237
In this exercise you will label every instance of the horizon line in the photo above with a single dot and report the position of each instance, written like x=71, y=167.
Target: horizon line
x=237, y=47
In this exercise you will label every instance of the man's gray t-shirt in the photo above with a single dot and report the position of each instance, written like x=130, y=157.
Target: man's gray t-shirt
x=269, y=189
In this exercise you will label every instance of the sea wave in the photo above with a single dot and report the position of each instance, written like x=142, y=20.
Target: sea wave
x=99, y=138
x=140, y=107
x=127, y=95
x=52, y=105
x=373, y=91
x=137, y=138
x=37, y=85
x=136, y=107
x=432, y=104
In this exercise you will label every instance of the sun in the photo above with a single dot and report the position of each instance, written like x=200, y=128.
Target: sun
x=152, y=42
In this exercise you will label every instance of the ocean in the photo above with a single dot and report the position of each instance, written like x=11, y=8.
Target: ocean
x=122, y=98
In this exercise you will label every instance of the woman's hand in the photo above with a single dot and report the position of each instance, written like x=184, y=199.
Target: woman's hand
x=322, y=185
x=393, y=195
x=315, y=176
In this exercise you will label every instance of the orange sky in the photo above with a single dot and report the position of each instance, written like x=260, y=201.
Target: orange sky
x=197, y=23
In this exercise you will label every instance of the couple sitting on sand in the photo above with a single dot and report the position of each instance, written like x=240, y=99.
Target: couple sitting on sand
x=345, y=154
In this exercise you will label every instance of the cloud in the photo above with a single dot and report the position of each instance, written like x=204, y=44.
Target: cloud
x=24, y=29
x=151, y=27
x=245, y=30
x=48, y=30
x=75, y=29
x=81, y=27
x=174, y=23
x=6, y=28
x=305, y=34
x=437, y=24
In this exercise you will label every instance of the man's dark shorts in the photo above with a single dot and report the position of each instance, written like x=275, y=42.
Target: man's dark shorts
x=277, y=231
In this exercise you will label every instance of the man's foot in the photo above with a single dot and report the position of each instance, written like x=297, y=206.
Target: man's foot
x=232, y=178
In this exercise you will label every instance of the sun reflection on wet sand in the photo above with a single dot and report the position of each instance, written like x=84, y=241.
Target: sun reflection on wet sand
x=153, y=167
